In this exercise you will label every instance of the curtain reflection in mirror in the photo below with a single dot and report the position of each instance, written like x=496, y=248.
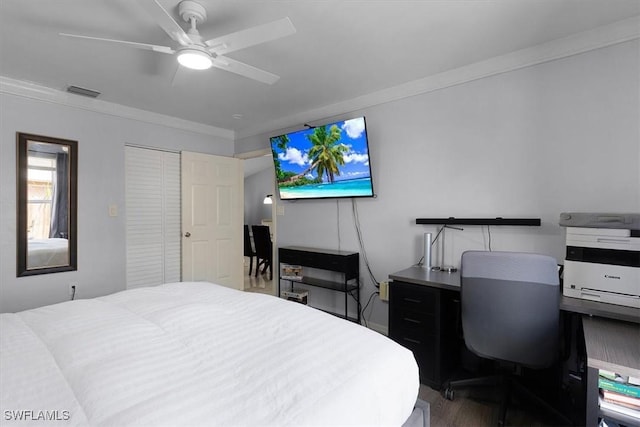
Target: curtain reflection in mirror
x=59, y=211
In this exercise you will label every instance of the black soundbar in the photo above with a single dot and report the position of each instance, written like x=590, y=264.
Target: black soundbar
x=480, y=221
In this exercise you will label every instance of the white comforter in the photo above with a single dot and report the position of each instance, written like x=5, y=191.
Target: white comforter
x=198, y=354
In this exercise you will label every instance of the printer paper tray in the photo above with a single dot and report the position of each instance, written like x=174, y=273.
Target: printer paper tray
x=603, y=296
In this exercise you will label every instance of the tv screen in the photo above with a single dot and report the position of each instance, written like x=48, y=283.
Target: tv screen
x=324, y=162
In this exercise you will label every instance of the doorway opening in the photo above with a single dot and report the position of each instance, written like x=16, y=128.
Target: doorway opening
x=260, y=205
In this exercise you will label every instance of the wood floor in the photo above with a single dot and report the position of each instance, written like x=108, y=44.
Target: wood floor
x=478, y=407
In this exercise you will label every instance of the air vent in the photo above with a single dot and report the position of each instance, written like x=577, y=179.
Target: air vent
x=82, y=91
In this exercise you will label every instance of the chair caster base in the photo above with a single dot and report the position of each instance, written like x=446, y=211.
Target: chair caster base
x=448, y=393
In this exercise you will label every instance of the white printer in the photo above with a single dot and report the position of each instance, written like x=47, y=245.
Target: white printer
x=602, y=261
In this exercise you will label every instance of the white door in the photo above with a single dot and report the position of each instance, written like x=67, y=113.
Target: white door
x=212, y=219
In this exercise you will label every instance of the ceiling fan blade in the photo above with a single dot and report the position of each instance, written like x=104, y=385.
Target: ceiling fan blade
x=251, y=36
x=145, y=46
x=166, y=22
x=245, y=70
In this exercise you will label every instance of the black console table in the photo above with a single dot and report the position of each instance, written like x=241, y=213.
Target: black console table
x=345, y=263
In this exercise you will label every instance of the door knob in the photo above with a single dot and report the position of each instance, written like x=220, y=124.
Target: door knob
x=187, y=234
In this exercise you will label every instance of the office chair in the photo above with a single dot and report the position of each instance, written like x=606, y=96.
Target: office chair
x=510, y=313
x=264, y=249
x=248, y=248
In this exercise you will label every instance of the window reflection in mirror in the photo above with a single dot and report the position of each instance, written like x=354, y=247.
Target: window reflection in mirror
x=47, y=182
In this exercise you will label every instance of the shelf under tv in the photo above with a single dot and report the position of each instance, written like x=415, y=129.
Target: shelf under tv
x=346, y=264
x=321, y=283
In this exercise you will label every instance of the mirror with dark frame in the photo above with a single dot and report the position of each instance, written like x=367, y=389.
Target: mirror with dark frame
x=46, y=204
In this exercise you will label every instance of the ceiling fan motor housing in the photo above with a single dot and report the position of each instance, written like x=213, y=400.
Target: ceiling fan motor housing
x=190, y=9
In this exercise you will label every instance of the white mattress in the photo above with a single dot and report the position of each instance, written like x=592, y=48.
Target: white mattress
x=199, y=354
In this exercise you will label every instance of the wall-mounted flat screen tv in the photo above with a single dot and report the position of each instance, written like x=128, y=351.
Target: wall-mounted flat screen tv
x=324, y=162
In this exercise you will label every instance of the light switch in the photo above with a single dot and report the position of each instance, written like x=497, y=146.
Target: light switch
x=113, y=210
x=280, y=210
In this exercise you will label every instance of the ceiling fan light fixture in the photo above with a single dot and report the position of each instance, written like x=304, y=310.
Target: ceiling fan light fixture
x=195, y=59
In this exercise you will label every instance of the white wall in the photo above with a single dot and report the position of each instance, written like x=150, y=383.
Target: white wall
x=559, y=136
x=256, y=187
x=101, y=182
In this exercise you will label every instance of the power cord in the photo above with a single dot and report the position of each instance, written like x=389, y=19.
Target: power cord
x=364, y=319
x=338, y=219
x=356, y=221
x=360, y=310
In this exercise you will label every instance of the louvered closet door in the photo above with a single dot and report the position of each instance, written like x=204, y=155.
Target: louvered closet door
x=153, y=217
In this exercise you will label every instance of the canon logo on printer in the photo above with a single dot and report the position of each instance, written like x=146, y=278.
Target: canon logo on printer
x=611, y=277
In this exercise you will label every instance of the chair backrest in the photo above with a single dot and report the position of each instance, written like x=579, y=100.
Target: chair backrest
x=262, y=240
x=510, y=306
x=248, y=249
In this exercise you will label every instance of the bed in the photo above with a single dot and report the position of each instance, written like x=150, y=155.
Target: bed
x=195, y=353
x=52, y=252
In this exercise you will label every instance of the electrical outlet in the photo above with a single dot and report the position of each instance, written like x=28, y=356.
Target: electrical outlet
x=73, y=288
x=384, y=291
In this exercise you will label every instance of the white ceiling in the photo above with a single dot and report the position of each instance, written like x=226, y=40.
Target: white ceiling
x=341, y=50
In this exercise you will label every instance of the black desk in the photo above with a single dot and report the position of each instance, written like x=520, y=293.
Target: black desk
x=451, y=281
x=424, y=313
x=439, y=292
x=425, y=277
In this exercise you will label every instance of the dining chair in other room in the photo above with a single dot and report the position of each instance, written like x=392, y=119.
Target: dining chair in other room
x=248, y=248
x=264, y=249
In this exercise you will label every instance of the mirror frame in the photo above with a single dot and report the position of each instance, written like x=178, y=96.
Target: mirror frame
x=22, y=141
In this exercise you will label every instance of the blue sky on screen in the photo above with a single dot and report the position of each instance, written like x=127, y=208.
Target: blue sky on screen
x=295, y=158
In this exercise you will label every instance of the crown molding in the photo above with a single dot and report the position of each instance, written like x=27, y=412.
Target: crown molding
x=42, y=93
x=618, y=32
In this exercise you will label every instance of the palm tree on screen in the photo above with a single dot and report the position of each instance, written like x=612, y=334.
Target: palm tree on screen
x=281, y=142
x=326, y=154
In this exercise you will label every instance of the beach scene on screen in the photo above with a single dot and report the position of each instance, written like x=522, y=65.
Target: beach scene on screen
x=324, y=161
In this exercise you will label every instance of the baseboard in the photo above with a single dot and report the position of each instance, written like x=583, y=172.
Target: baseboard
x=382, y=329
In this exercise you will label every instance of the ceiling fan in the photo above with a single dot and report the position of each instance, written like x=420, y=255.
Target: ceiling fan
x=195, y=53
